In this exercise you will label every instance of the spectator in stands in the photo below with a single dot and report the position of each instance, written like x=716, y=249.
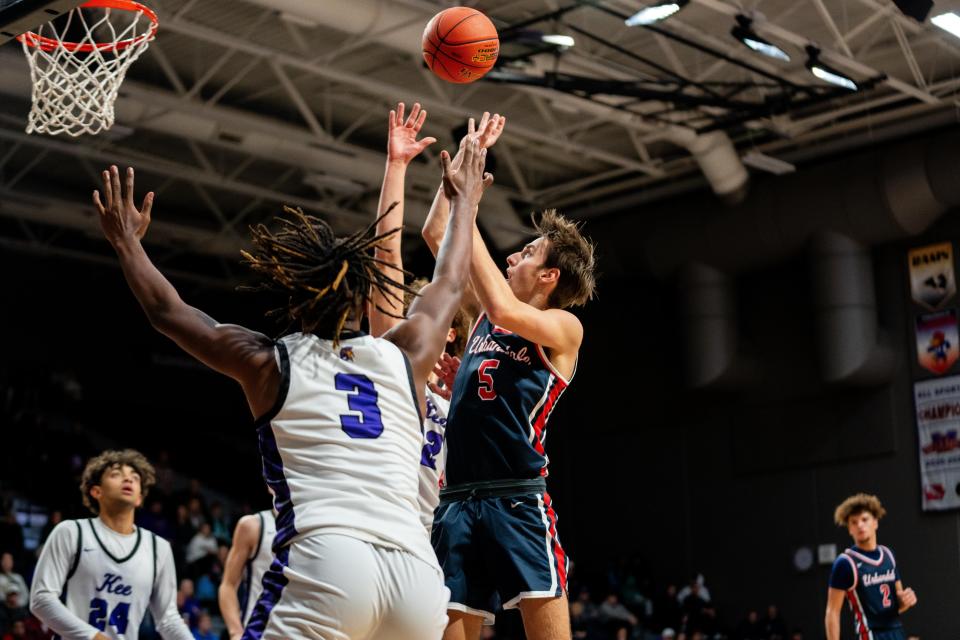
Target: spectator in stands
x=153, y=519
x=617, y=617
x=9, y=580
x=634, y=599
x=11, y=535
x=183, y=534
x=585, y=617
x=204, y=630
x=750, y=628
x=774, y=626
x=197, y=513
x=668, y=634
x=202, y=551
x=693, y=605
x=187, y=605
x=701, y=588
x=798, y=635
x=219, y=524
x=666, y=608
x=12, y=610
x=56, y=517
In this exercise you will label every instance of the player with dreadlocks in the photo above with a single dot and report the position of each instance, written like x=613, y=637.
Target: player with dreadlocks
x=338, y=412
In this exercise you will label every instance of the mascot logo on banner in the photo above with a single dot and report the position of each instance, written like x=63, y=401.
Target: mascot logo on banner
x=937, y=341
x=932, y=282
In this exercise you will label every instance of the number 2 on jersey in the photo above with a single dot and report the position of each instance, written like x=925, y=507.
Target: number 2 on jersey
x=362, y=396
x=485, y=390
x=118, y=619
x=885, y=592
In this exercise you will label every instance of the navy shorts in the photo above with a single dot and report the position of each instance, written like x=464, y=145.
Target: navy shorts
x=888, y=634
x=499, y=550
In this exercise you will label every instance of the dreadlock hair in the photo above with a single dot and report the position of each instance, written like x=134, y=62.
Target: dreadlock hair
x=325, y=278
x=460, y=324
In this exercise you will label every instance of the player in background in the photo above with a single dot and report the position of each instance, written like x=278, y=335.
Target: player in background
x=249, y=558
x=338, y=412
x=97, y=577
x=495, y=529
x=386, y=310
x=866, y=576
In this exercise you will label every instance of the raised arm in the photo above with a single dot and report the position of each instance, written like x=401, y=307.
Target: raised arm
x=245, y=537
x=555, y=329
x=244, y=355
x=423, y=334
x=386, y=311
x=488, y=132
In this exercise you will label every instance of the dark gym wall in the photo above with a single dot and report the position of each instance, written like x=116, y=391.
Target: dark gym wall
x=731, y=483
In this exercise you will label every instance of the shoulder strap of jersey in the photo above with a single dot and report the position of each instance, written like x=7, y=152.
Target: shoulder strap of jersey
x=887, y=551
x=853, y=567
x=75, y=563
x=263, y=528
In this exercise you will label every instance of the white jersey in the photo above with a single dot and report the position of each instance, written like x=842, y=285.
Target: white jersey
x=91, y=578
x=433, y=459
x=340, y=447
x=258, y=563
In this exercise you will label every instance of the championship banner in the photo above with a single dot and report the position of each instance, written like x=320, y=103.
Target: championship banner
x=937, y=341
x=932, y=282
x=938, y=425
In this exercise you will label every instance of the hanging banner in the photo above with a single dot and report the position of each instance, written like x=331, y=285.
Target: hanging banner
x=938, y=341
x=932, y=281
x=938, y=425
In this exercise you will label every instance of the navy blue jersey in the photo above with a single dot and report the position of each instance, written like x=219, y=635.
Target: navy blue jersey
x=503, y=396
x=870, y=580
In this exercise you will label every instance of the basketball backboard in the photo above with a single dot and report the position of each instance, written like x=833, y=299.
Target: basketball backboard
x=18, y=16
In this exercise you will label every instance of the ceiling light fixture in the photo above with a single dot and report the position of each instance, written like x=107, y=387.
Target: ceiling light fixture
x=949, y=22
x=655, y=13
x=826, y=72
x=743, y=31
x=558, y=40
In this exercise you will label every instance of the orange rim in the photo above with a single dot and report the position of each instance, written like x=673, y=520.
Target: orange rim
x=49, y=44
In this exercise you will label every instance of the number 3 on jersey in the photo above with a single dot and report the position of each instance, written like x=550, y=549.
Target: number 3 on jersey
x=362, y=397
x=484, y=371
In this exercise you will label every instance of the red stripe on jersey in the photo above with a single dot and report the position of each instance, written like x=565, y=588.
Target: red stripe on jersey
x=540, y=423
x=558, y=551
x=863, y=631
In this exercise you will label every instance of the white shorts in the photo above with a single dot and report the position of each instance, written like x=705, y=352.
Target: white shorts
x=334, y=587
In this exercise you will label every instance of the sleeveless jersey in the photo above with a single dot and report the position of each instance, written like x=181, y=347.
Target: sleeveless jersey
x=342, y=444
x=258, y=564
x=433, y=459
x=111, y=593
x=503, y=395
x=873, y=596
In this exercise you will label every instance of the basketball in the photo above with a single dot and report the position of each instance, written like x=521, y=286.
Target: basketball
x=460, y=44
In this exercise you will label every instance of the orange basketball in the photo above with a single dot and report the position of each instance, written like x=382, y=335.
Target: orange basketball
x=460, y=44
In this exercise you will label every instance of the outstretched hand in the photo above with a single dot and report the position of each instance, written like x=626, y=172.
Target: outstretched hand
x=469, y=181
x=119, y=217
x=486, y=133
x=402, y=143
x=446, y=371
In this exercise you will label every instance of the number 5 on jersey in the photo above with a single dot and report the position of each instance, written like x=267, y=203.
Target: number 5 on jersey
x=484, y=372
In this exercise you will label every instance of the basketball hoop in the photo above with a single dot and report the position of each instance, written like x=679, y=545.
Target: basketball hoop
x=75, y=83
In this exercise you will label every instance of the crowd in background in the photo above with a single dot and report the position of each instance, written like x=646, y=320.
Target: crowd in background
x=41, y=426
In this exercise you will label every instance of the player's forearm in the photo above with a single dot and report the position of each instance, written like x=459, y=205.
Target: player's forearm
x=832, y=624
x=389, y=250
x=436, y=222
x=493, y=292
x=46, y=606
x=230, y=607
x=453, y=257
x=153, y=291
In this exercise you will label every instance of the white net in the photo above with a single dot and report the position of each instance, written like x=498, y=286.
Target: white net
x=75, y=83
